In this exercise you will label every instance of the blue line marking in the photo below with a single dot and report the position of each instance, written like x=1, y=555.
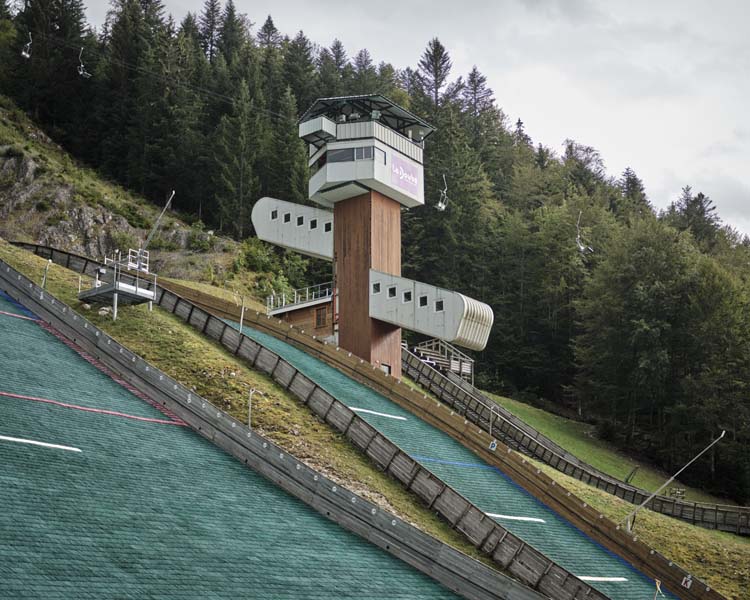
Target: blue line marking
x=24, y=311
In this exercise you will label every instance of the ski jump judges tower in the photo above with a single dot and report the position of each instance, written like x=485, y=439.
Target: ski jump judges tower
x=365, y=158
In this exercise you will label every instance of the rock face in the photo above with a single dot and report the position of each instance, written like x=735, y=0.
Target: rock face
x=36, y=206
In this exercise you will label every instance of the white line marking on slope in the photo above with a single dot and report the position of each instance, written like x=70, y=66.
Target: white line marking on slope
x=35, y=443
x=379, y=414
x=612, y=579
x=511, y=518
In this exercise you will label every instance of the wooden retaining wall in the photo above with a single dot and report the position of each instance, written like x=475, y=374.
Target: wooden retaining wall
x=456, y=571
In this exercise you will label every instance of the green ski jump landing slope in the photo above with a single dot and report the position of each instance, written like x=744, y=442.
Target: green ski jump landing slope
x=481, y=483
x=147, y=508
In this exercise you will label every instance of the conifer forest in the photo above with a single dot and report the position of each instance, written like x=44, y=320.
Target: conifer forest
x=606, y=308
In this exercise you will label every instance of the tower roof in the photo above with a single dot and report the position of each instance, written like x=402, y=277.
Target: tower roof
x=391, y=114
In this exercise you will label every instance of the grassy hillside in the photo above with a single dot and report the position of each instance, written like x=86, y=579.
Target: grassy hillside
x=49, y=198
x=721, y=559
x=578, y=438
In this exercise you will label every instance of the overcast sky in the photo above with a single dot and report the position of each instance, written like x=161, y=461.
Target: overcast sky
x=662, y=87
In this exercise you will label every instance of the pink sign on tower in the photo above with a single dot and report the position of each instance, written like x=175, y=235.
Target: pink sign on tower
x=404, y=175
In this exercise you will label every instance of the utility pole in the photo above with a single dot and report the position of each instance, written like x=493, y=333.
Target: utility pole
x=44, y=278
x=630, y=519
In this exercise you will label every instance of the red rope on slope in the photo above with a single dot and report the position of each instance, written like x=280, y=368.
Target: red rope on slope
x=9, y=314
x=109, y=373
x=101, y=411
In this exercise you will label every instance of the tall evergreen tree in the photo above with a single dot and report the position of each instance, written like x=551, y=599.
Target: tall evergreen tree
x=341, y=62
x=334, y=71
x=268, y=35
x=237, y=184
x=520, y=137
x=632, y=201
x=584, y=166
x=697, y=214
x=289, y=167
x=210, y=21
x=485, y=125
x=232, y=33
x=48, y=84
x=477, y=97
x=299, y=70
x=271, y=64
x=7, y=44
x=329, y=77
x=365, y=77
x=434, y=69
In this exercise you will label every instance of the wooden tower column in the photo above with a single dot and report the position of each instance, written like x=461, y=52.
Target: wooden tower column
x=366, y=235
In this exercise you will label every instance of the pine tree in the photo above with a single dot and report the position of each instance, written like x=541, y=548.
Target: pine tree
x=485, y=126
x=299, y=70
x=696, y=214
x=542, y=157
x=584, y=166
x=434, y=70
x=7, y=39
x=271, y=64
x=232, y=33
x=49, y=85
x=153, y=14
x=477, y=97
x=632, y=202
x=334, y=71
x=387, y=83
x=269, y=36
x=209, y=21
x=365, y=79
x=408, y=80
x=341, y=61
x=235, y=155
x=189, y=28
x=289, y=170
x=520, y=137
x=329, y=77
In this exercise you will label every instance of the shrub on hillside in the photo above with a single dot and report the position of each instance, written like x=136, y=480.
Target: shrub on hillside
x=199, y=240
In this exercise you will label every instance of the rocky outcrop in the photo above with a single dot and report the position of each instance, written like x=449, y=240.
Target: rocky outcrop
x=35, y=206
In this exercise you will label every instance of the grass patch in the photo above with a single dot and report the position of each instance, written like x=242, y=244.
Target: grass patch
x=196, y=362
x=720, y=559
x=229, y=294
x=578, y=439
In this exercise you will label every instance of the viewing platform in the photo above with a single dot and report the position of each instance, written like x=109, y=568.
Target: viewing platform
x=122, y=281
x=301, y=298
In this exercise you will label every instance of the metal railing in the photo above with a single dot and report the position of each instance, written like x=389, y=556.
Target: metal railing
x=300, y=296
x=447, y=357
x=513, y=432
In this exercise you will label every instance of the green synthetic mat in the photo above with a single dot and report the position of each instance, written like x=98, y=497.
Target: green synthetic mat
x=149, y=510
x=481, y=483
